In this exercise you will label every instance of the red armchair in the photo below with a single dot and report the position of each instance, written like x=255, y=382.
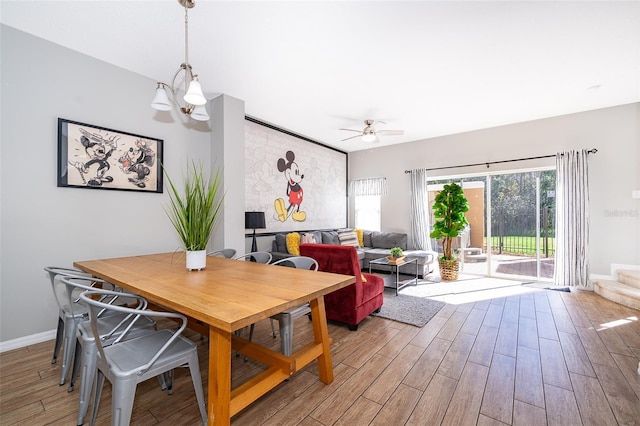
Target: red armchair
x=353, y=303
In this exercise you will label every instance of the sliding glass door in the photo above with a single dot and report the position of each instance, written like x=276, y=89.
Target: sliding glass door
x=522, y=227
x=511, y=224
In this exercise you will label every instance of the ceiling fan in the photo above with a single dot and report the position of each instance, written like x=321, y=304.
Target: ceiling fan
x=370, y=134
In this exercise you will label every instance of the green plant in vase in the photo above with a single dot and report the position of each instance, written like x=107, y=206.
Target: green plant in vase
x=449, y=209
x=396, y=252
x=194, y=210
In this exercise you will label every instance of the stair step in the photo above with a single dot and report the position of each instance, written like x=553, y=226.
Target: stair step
x=618, y=292
x=629, y=277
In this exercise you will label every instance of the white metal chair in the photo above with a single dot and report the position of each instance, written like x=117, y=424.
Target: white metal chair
x=227, y=253
x=255, y=256
x=285, y=319
x=113, y=327
x=69, y=315
x=129, y=362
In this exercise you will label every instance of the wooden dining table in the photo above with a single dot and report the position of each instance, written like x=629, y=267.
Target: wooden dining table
x=226, y=296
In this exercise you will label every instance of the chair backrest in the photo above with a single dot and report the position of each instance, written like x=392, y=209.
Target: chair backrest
x=227, y=253
x=334, y=258
x=300, y=262
x=77, y=285
x=59, y=292
x=256, y=256
x=71, y=287
x=91, y=299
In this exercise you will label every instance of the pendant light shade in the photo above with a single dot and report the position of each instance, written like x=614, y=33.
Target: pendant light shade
x=194, y=95
x=199, y=113
x=161, y=101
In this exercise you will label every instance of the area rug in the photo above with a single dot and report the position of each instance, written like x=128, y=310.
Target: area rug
x=408, y=309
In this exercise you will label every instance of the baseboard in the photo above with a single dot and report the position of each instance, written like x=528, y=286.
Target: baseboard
x=616, y=267
x=27, y=340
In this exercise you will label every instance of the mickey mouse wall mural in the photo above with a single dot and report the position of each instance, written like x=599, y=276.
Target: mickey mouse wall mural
x=291, y=172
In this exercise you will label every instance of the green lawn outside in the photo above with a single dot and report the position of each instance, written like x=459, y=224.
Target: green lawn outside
x=514, y=244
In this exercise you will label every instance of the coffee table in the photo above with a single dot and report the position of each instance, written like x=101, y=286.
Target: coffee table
x=395, y=267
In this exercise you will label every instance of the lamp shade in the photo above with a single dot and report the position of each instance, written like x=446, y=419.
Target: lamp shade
x=369, y=137
x=161, y=101
x=200, y=113
x=254, y=220
x=194, y=95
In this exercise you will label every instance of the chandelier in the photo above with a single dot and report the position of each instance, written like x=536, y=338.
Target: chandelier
x=194, y=100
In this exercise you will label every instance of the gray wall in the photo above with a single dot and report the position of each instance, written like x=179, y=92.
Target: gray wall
x=614, y=171
x=42, y=224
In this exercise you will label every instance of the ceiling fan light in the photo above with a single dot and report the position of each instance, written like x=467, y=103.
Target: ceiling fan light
x=161, y=100
x=194, y=95
x=199, y=113
x=369, y=137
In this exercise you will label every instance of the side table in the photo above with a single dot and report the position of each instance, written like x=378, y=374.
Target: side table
x=395, y=267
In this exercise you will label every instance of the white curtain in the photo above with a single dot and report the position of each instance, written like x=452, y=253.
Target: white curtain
x=419, y=215
x=369, y=186
x=572, y=219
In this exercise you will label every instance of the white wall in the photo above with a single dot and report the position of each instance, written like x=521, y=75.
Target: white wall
x=42, y=224
x=614, y=170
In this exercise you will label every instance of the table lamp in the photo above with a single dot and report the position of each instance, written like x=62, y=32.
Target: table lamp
x=254, y=220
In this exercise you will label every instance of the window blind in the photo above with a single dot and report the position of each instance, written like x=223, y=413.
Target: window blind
x=369, y=186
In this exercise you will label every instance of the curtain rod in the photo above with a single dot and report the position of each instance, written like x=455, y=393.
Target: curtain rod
x=591, y=151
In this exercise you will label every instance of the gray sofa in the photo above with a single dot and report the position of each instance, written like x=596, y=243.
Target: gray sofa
x=376, y=245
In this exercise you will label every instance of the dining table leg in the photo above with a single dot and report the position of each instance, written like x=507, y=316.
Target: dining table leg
x=219, y=398
x=321, y=335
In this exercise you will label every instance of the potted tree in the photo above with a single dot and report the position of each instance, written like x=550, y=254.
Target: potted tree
x=449, y=209
x=194, y=211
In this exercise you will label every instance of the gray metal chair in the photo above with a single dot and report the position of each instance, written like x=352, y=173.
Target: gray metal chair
x=255, y=256
x=113, y=327
x=285, y=319
x=129, y=362
x=70, y=314
x=227, y=253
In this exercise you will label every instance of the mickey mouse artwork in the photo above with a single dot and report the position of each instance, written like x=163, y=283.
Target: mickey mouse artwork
x=294, y=190
x=136, y=161
x=96, y=157
x=98, y=149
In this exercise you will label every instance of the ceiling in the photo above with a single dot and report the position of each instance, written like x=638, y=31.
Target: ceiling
x=429, y=68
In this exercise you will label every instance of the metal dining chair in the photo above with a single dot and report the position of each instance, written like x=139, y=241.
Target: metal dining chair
x=255, y=256
x=285, y=319
x=69, y=315
x=128, y=362
x=112, y=327
x=227, y=253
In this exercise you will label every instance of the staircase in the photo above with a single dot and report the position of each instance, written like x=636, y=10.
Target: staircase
x=625, y=291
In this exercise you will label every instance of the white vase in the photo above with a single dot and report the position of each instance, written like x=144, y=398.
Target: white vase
x=196, y=260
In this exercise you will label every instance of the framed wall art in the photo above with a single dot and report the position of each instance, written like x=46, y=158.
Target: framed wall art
x=99, y=158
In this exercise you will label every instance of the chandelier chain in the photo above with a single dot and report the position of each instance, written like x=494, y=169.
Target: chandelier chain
x=186, y=35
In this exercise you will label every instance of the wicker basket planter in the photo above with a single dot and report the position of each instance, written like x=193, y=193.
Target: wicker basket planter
x=449, y=269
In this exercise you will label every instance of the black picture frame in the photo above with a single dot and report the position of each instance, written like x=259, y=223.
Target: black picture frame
x=95, y=157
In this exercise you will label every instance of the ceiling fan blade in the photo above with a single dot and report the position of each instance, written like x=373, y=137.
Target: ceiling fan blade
x=352, y=130
x=356, y=136
x=390, y=132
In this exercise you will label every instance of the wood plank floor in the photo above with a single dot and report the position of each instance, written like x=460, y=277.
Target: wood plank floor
x=536, y=358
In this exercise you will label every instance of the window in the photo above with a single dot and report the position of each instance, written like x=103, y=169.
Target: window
x=366, y=193
x=367, y=212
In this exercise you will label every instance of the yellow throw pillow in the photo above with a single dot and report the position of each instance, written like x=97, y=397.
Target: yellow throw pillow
x=293, y=243
x=360, y=235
